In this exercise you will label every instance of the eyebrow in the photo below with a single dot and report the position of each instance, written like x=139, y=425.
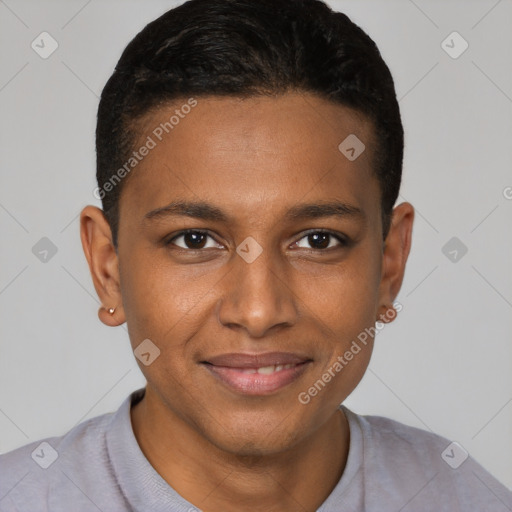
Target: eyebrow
x=209, y=212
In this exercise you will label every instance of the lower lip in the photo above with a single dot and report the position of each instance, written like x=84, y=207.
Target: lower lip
x=256, y=383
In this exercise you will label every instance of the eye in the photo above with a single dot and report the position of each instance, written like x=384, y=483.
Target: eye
x=193, y=240
x=198, y=240
x=321, y=240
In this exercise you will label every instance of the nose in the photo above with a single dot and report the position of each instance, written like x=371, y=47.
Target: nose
x=257, y=296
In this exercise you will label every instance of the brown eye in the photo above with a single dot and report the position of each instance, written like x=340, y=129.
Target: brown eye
x=322, y=240
x=192, y=240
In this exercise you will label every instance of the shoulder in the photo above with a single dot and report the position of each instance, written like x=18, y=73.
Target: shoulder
x=385, y=436
x=43, y=451
x=414, y=469
x=30, y=474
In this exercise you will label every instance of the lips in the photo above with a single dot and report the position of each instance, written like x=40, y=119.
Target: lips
x=242, y=360
x=257, y=374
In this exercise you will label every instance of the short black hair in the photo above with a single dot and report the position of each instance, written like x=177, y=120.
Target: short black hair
x=245, y=48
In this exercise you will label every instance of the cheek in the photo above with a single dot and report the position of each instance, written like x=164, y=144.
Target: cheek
x=345, y=299
x=161, y=301
x=345, y=304
x=355, y=322
x=159, y=306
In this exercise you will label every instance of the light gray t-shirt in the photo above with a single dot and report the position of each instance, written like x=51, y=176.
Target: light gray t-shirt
x=98, y=466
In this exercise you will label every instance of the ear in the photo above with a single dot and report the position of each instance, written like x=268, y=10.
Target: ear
x=103, y=263
x=396, y=250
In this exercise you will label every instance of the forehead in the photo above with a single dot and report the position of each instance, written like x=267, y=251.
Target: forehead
x=298, y=123
x=252, y=151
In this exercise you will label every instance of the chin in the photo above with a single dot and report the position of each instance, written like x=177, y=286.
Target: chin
x=251, y=449
x=252, y=437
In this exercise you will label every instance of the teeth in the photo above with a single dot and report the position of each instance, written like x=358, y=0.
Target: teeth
x=267, y=370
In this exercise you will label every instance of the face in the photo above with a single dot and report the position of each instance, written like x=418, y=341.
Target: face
x=251, y=254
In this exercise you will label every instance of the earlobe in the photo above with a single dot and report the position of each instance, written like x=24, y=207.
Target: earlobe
x=111, y=316
x=387, y=314
x=395, y=254
x=102, y=259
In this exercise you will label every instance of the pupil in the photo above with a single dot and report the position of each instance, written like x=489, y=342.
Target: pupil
x=194, y=239
x=324, y=237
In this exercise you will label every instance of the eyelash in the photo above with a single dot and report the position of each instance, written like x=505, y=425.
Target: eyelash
x=343, y=240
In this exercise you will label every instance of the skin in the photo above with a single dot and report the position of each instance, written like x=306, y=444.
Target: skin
x=254, y=159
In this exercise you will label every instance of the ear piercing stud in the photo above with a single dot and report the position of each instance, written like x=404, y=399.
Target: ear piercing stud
x=111, y=310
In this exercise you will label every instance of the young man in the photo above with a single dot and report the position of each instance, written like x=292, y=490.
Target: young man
x=249, y=158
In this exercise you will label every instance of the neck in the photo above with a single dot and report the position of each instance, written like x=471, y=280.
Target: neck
x=300, y=478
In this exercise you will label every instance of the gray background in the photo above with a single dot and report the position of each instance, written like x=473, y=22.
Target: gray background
x=445, y=364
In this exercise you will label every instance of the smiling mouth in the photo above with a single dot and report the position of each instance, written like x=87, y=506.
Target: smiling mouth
x=259, y=374
x=267, y=370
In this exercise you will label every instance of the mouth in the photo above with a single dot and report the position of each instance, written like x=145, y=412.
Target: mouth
x=257, y=374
